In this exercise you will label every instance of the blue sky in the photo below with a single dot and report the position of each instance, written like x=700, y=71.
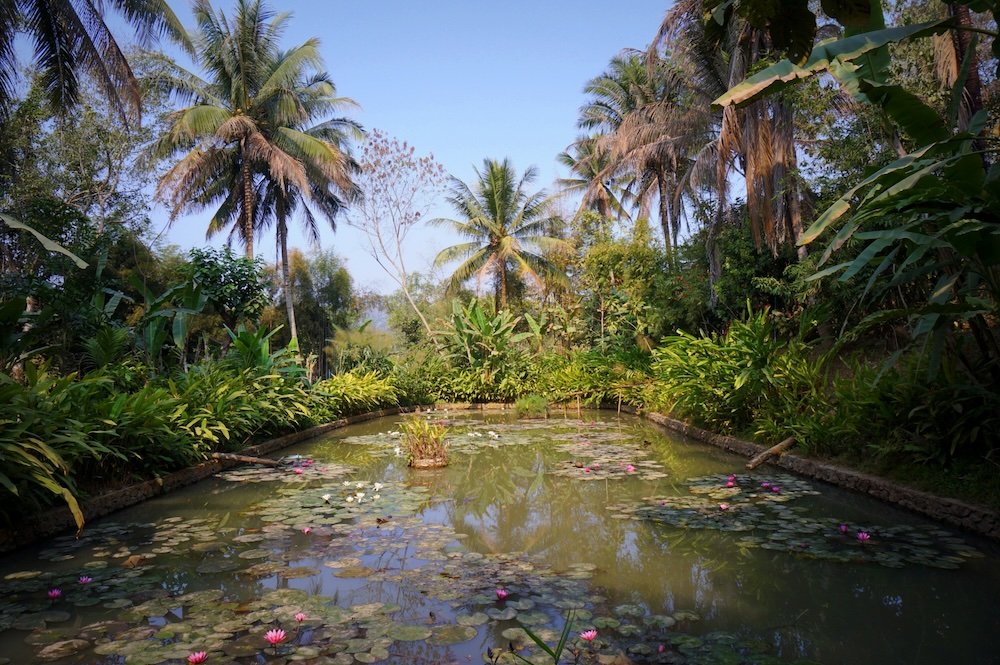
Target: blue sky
x=461, y=79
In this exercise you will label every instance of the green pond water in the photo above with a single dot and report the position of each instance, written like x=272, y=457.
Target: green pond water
x=668, y=548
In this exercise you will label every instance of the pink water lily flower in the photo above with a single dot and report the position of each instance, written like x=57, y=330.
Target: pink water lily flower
x=275, y=636
x=844, y=528
x=731, y=477
x=588, y=635
x=502, y=593
x=307, y=530
x=723, y=506
x=730, y=483
x=775, y=489
x=864, y=536
x=197, y=657
x=300, y=616
x=630, y=469
x=55, y=594
x=298, y=471
x=661, y=648
x=84, y=579
x=765, y=484
x=586, y=469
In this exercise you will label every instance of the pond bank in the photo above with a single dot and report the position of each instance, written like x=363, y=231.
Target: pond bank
x=973, y=518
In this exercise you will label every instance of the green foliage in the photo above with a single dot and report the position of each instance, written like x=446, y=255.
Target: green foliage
x=486, y=353
x=729, y=381
x=346, y=394
x=594, y=378
x=531, y=406
x=235, y=285
x=423, y=439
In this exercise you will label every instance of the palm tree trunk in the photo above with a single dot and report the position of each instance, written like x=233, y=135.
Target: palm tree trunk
x=286, y=281
x=664, y=191
x=247, y=212
x=501, y=285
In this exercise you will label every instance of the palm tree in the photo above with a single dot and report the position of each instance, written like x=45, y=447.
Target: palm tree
x=589, y=165
x=245, y=124
x=757, y=139
x=506, y=227
x=70, y=36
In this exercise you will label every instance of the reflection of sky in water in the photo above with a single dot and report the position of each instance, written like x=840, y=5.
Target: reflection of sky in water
x=502, y=499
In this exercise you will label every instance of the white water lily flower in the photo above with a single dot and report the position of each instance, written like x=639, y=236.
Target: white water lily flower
x=326, y=497
x=377, y=486
x=347, y=483
x=376, y=497
x=397, y=450
x=395, y=434
x=360, y=484
x=350, y=499
x=360, y=495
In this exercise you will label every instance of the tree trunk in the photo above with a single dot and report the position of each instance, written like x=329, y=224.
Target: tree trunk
x=661, y=183
x=246, y=215
x=286, y=282
x=972, y=99
x=501, y=300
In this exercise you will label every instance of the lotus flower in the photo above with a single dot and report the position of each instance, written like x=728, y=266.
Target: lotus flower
x=628, y=469
x=55, y=594
x=307, y=530
x=588, y=635
x=300, y=616
x=844, y=529
x=864, y=536
x=723, y=506
x=84, y=579
x=502, y=593
x=275, y=636
x=197, y=657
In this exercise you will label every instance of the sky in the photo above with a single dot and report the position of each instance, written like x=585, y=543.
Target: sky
x=464, y=80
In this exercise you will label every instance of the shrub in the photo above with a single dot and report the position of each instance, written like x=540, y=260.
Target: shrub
x=424, y=440
x=531, y=406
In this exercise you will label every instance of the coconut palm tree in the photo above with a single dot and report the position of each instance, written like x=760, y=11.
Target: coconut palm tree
x=245, y=130
x=506, y=227
x=71, y=36
x=588, y=163
x=637, y=110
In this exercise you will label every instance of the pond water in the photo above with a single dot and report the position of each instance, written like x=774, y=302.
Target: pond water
x=667, y=548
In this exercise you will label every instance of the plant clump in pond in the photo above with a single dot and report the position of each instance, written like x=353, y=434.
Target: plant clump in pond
x=757, y=509
x=423, y=441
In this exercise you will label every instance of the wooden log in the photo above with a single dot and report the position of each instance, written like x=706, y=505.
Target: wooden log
x=773, y=451
x=245, y=459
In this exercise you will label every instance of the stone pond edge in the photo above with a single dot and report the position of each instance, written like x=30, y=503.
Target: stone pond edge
x=970, y=517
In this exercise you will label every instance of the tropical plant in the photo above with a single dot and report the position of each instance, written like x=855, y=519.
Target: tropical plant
x=72, y=36
x=245, y=141
x=509, y=231
x=942, y=235
x=423, y=441
x=531, y=406
x=349, y=393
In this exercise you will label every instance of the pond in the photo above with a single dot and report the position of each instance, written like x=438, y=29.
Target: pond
x=666, y=548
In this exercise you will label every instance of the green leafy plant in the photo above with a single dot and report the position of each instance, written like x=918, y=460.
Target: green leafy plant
x=555, y=653
x=423, y=440
x=531, y=406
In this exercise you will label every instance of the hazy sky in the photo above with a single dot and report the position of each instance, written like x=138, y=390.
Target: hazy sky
x=461, y=79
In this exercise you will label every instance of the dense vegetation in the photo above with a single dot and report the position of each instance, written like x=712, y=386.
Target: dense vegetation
x=848, y=297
